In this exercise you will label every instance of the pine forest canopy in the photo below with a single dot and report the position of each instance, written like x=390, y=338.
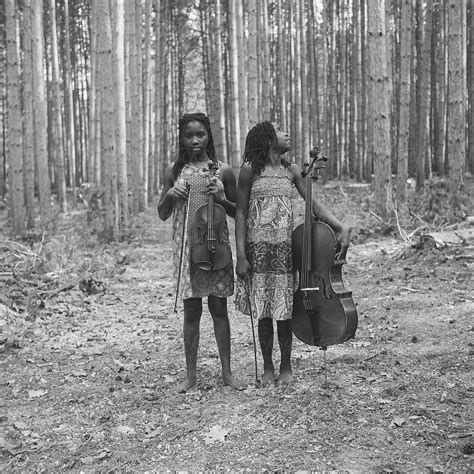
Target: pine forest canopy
x=92, y=91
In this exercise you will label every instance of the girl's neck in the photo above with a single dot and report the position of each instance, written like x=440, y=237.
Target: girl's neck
x=199, y=159
x=274, y=160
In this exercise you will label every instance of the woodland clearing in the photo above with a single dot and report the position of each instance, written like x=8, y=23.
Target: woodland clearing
x=92, y=353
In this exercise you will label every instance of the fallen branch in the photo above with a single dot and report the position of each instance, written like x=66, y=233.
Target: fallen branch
x=406, y=238
x=414, y=214
x=379, y=218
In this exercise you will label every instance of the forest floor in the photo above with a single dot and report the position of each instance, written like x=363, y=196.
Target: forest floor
x=92, y=353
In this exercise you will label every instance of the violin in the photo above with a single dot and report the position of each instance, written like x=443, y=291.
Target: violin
x=211, y=249
x=324, y=313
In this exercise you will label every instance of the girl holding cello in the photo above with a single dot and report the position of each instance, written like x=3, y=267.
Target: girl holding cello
x=264, y=227
x=199, y=191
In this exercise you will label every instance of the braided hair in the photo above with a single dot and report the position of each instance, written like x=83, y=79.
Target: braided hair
x=259, y=140
x=183, y=154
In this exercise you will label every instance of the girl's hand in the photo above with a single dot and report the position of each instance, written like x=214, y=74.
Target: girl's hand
x=179, y=190
x=344, y=240
x=242, y=268
x=216, y=188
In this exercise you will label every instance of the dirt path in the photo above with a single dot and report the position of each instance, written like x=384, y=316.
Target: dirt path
x=89, y=383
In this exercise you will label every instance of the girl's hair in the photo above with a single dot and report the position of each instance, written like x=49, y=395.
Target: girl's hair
x=257, y=146
x=183, y=154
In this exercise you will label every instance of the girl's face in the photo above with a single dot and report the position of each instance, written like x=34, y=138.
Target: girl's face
x=283, y=139
x=195, y=138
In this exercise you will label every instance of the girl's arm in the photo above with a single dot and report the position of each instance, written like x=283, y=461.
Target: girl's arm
x=170, y=192
x=227, y=198
x=322, y=212
x=243, y=194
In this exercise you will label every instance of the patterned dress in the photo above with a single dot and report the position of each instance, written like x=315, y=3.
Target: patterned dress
x=196, y=283
x=270, y=286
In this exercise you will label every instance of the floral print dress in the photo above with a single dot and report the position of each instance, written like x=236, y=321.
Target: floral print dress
x=196, y=283
x=268, y=290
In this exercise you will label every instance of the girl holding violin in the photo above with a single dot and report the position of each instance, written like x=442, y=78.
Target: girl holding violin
x=264, y=227
x=198, y=186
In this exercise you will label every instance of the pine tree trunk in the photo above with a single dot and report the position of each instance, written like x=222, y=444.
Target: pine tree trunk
x=456, y=97
x=68, y=104
x=120, y=113
x=219, y=109
x=379, y=107
x=108, y=154
x=28, y=120
x=40, y=113
x=252, y=63
x=57, y=121
x=470, y=85
x=234, y=87
x=423, y=90
x=404, y=110
x=14, y=123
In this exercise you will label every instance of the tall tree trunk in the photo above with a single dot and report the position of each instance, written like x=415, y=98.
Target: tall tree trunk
x=28, y=120
x=456, y=97
x=305, y=118
x=14, y=123
x=135, y=167
x=379, y=106
x=234, y=84
x=68, y=103
x=252, y=63
x=243, y=89
x=404, y=110
x=470, y=85
x=158, y=152
x=120, y=113
x=440, y=74
x=423, y=74
x=218, y=112
x=146, y=101
x=40, y=113
x=357, y=90
x=104, y=53
x=57, y=121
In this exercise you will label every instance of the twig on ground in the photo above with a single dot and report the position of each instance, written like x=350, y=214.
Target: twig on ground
x=406, y=238
x=379, y=218
x=414, y=214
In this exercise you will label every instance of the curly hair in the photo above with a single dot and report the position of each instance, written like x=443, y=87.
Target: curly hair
x=183, y=154
x=259, y=140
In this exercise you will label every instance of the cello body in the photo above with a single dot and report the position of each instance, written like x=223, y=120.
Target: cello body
x=324, y=313
x=332, y=316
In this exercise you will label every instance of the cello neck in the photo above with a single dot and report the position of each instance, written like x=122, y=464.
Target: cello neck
x=308, y=217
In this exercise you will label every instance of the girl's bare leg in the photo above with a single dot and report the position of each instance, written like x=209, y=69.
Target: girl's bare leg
x=285, y=339
x=192, y=319
x=265, y=336
x=220, y=318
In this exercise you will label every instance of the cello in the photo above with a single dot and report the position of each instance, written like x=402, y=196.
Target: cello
x=324, y=313
x=211, y=249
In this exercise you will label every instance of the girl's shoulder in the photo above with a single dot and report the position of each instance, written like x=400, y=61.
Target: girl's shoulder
x=246, y=172
x=294, y=171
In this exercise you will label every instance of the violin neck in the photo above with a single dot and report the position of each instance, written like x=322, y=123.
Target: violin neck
x=210, y=218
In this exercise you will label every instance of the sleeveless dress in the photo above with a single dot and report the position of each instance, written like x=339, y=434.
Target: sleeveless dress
x=196, y=283
x=268, y=291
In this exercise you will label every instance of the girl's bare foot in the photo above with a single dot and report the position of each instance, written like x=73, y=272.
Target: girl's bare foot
x=232, y=382
x=268, y=377
x=187, y=383
x=286, y=376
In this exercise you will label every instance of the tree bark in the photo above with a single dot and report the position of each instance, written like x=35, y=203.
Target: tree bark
x=379, y=107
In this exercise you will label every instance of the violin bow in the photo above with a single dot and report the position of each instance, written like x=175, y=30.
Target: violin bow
x=181, y=254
